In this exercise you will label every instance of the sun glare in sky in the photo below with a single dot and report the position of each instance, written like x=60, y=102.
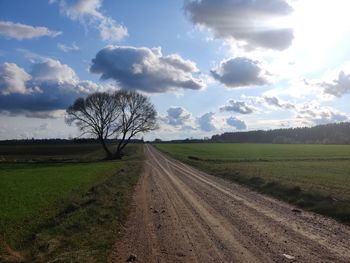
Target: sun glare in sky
x=321, y=22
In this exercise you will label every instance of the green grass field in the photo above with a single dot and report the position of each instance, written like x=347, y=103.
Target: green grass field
x=52, y=199
x=256, y=152
x=32, y=194
x=316, y=177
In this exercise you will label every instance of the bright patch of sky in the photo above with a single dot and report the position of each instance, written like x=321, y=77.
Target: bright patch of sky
x=209, y=66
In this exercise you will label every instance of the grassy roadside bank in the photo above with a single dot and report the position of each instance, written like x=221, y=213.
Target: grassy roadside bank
x=313, y=177
x=70, y=212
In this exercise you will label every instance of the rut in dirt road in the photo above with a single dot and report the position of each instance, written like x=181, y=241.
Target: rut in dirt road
x=183, y=215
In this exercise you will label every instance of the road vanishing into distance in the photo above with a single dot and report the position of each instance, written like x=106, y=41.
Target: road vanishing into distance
x=183, y=215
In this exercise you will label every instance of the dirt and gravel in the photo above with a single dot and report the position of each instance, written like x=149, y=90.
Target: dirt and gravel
x=183, y=215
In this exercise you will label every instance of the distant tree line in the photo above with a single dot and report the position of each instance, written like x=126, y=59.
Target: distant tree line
x=188, y=140
x=336, y=133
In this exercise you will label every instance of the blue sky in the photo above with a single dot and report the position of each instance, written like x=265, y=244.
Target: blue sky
x=209, y=66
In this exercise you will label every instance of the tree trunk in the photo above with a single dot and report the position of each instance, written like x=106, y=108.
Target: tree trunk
x=104, y=145
x=118, y=155
x=121, y=145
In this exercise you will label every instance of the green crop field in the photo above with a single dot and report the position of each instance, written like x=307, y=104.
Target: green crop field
x=315, y=177
x=254, y=152
x=32, y=193
x=53, y=192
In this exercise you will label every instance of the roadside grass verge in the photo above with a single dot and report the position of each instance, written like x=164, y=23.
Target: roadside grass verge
x=320, y=182
x=65, y=212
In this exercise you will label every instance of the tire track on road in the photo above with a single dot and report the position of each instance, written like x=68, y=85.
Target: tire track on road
x=184, y=215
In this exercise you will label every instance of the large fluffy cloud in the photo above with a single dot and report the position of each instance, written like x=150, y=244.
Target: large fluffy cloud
x=240, y=72
x=238, y=107
x=145, y=69
x=49, y=86
x=88, y=12
x=21, y=31
x=247, y=21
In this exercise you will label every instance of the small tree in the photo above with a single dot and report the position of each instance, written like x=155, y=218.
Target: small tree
x=95, y=115
x=122, y=115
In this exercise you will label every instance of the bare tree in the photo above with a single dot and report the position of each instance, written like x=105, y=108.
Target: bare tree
x=95, y=115
x=121, y=115
x=138, y=115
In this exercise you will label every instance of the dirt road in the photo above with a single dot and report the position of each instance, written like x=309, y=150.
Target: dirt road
x=183, y=215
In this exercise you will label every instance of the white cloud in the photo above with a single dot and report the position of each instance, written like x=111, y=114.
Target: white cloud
x=145, y=69
x=110, y=31
x=339, y=86
x=13, y=80
x=178, y=117
x=206, y=122
x=88, y=12
x=303, y=114
x=21, y=31
x=313, y=113
x=236, y=123
x=269, y=101
x=81, y=8
x=68, y=48
x=240, y=72
x=238, y=107
x=52, y=70
x=274, y=101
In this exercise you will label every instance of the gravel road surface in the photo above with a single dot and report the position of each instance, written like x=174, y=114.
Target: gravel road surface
x=183, y=215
